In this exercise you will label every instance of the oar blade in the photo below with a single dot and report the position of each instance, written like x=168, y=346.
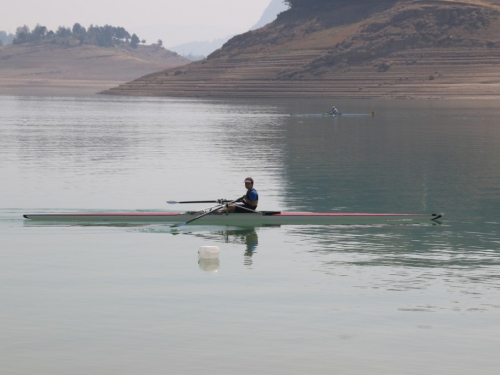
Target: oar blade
x=178, y=225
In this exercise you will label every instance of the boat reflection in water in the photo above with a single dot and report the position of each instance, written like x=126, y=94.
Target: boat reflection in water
x=246, y=236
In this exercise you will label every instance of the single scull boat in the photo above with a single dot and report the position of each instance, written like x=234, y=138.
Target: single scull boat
x=239, y=219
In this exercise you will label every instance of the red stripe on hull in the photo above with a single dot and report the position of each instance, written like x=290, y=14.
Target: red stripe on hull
x=340, y=214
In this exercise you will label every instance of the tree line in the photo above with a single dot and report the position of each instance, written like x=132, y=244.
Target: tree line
x=103, y=36
x=5, y=38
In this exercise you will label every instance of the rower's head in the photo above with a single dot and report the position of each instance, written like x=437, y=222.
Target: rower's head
x=249, y=183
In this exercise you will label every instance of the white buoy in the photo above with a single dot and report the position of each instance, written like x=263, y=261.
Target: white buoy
x=209, y=252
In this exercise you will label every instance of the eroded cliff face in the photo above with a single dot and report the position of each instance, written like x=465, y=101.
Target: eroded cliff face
x=365, y=49
x=382, y=41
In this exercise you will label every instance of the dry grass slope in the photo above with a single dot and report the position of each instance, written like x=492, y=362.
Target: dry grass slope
x=70, y=69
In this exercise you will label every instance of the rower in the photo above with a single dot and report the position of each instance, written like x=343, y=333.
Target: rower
x=248, y=202
x=335, y=111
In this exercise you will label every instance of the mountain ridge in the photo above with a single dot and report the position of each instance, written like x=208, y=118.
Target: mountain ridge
x=274, y=8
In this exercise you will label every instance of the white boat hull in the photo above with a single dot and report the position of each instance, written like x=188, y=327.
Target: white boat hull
x=239, y=219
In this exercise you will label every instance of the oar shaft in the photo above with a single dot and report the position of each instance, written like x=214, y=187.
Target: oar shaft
x=198, y=217
x=220, y=201
x=206, y=213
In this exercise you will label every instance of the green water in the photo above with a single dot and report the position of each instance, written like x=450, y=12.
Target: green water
x=409, y=299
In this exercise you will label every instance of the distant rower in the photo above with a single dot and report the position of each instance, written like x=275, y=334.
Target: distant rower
x=335, y=111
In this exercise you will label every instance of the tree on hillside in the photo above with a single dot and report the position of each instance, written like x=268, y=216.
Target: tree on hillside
x=79, y=32
x=122, y=34
x=91, y=37
x=39, y=33
x=6, y=38
x=63, y=32
x=23, y=35
x=134, y=41
x=160, y=43
x=102, y=36
x=78, y=29
x=106, y=36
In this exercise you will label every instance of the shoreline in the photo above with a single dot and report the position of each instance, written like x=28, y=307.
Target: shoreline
x=92, y=89
x=44, y=88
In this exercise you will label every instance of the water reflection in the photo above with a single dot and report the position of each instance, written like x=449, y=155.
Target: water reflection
x=242, y=236
x=100, y=144
x=209, y=265
x=403, y=160
x=403, y=258
x=251, y=241
x=247, y=237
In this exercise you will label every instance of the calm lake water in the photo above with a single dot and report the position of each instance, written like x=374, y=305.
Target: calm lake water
x=393, y=299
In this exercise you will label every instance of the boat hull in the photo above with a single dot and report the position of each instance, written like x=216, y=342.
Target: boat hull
x=238, y=219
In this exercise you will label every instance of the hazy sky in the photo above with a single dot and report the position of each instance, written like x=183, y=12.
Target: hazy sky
x=172, y=21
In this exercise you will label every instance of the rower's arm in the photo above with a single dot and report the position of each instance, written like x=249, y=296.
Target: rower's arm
x=251, y=203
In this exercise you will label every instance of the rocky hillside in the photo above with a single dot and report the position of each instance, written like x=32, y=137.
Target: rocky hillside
x=67, y=68
x=362, y=49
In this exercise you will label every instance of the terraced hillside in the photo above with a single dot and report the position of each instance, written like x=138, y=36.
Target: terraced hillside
x=362, y=49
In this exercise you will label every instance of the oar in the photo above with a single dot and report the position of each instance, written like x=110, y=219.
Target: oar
x=220, y=201
x=210, y=210
x=198, y=217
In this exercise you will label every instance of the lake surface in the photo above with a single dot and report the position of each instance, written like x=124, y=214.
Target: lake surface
x=379, y=299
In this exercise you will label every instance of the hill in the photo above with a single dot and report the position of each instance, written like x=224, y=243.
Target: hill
x=361, y=49
x=68, y=68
